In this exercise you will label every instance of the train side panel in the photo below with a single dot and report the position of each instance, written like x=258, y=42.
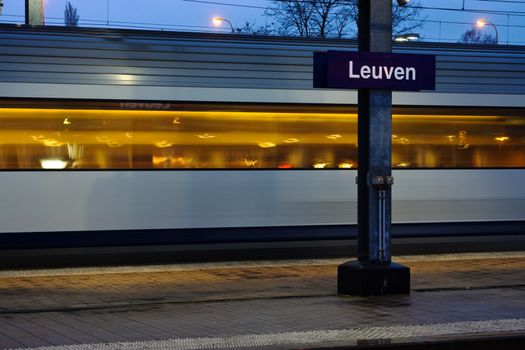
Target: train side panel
x=58, y=201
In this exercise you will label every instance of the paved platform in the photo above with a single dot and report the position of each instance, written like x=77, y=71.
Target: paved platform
x=277, y=304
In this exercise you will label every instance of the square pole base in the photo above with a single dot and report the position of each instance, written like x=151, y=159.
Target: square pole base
x=363, y=278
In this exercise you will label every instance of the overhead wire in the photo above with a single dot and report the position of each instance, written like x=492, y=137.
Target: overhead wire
x=84, y=20
x=162, y=26
x=226, y=4
x=498, y=12
x=503, y=1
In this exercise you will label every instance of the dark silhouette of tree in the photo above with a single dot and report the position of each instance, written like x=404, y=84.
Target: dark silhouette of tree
x=70, y=15
x=334, y=18
x=475, y=36
x=250, y=28
x=316, y=18
x=407, y=19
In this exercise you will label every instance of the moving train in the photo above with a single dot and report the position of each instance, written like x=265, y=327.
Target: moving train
x=119, y=138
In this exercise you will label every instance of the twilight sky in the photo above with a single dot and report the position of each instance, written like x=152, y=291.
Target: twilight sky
x=196, y=16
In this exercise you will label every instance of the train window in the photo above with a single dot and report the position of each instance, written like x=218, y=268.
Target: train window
x=108, y=135
x=458, y=138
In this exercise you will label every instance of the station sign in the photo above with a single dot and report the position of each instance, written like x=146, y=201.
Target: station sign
x=371, y=70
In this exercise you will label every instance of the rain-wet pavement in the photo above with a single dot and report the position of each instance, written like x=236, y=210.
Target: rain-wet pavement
x=251, y=304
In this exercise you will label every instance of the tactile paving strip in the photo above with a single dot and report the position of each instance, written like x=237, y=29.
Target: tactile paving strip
x=310, y=337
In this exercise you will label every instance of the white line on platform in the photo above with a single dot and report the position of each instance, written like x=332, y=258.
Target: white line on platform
x=420, y=333
x=239, y=264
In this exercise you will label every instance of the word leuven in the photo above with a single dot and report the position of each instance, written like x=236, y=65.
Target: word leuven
x=381, y=72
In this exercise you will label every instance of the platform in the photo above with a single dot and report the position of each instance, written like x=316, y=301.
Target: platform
x=457, y=298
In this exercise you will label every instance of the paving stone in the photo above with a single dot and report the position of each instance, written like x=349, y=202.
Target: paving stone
x=98, y=307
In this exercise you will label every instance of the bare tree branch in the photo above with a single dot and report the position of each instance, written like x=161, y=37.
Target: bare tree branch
x=70, y=15
x=334, y=18
x=475, y=36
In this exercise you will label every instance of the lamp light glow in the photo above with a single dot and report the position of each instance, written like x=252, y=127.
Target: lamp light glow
x=217, y=21
x=407, y=37
x=53, y=163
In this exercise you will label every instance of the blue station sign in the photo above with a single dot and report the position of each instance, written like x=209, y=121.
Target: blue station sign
x=367, y=70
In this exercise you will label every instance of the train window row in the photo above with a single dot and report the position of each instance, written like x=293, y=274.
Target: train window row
x=112, y=135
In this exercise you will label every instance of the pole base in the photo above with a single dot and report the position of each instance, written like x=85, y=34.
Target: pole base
x=364, y=278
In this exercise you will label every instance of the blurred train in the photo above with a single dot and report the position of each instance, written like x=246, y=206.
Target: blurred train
x=130, y=138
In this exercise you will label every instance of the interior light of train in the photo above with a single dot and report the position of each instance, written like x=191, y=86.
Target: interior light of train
x=345, y=165
x=320, y=165
x=250, y=162
x=113, y=143
x=266, y=144
x=285, y=166
x=400, y=140
x=403, y=141
x=476, y=119
x=53, y=163
x=52, y=143
x=182, y=161
x=206, y=136
x=129, y=139
x=403, y=164
x=39, y=137
x=163, y=144
x=159, y=160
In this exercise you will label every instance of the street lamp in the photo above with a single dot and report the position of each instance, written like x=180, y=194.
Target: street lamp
x=482, y=22
x=217, y=21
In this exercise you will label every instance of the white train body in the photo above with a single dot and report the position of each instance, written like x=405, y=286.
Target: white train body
x=154, y=69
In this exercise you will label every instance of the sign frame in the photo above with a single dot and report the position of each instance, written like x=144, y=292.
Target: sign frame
x=372, y=70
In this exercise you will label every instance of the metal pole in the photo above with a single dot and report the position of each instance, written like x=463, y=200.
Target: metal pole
x=231, y=25
x=34, y=12
x=374, y=273
x=374, y=139
x=496, y=29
